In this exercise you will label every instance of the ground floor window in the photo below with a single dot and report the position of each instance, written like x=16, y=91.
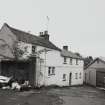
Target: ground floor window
x=76, y=75
x=80, y=75
x=64, y=77
x=51, y=70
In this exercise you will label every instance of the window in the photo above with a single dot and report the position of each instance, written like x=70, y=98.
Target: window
x=51, y=71
x=76, y=61
x=33, y=49
x=65, y=60
x=71, y=61
x=80, y=75
x=64, y=77
x=41, y=60
x=76, y=75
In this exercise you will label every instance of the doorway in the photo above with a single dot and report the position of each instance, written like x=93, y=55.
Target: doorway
x=70, y=78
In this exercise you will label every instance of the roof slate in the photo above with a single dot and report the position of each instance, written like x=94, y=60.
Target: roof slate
x=37, y=40
x=70, y=54
x=29, y=38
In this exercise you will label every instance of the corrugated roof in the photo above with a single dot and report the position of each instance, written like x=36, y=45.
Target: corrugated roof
x=101, y=69
x=102, y=59
x=70, y=54
x=29, y=38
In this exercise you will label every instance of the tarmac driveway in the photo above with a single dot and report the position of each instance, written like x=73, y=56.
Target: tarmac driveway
x=84, y=95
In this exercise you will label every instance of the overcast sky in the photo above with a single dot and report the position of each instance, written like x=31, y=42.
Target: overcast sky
x=80, y=24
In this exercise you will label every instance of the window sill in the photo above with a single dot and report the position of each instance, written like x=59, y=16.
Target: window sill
x=64, y=63
x=64, y=80
x=50, y=74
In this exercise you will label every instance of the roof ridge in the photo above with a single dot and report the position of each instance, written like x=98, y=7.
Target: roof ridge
x=20, y=30
x=70, y=52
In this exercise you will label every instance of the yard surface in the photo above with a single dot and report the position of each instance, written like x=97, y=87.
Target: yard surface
x=84, y=95
x=81, y=95
x=32, y=97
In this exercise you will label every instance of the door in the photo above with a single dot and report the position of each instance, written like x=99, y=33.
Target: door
x=70, y=78
x=100, y=79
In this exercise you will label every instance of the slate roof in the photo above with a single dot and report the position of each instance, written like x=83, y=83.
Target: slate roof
x=70, y=54
x=29, y=38
x=32, y=39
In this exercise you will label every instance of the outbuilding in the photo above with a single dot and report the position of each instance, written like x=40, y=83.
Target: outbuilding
x=94, y=73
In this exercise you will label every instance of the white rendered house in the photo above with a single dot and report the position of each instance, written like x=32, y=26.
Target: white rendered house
x=62, y=68
x=52, y=65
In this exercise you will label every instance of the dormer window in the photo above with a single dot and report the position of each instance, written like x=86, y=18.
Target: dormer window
x=33, y=49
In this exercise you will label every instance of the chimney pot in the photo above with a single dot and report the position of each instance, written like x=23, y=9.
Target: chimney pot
x=46, y=32
x=44, y=35
x=40, y=33
x=65, y=48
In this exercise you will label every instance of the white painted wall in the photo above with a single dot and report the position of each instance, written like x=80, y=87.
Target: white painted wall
x=52, y=58
x=90, y=76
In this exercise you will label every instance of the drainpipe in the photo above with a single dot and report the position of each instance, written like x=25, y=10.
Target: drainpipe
x=45, y=68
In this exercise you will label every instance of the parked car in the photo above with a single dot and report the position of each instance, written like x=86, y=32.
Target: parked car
x=4, y=81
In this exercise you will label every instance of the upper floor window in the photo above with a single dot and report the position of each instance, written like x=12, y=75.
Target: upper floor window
x=64, y=77
x=51, y=70
x=41, y=60
x=65, y=60
x=33, y=49
x=76, y=61
x=71, y=61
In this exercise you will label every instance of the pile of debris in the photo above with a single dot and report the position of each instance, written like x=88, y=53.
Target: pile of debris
x=10, y=83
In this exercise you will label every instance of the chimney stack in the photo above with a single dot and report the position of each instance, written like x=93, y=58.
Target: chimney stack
x=65, y=48
x=44, y=35
x=41, y=33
